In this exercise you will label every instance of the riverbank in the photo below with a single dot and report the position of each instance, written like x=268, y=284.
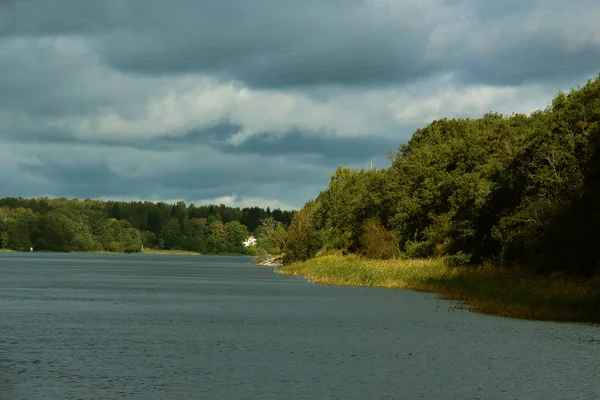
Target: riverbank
x=183, y=253
x=146, y=251
x=490, y=290
x=170, y=252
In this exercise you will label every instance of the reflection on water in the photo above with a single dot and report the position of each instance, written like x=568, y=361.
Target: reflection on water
x=181, y=327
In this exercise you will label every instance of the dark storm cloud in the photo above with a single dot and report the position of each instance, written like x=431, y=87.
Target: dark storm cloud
x=40, y=137
x=332, y=150
x=310, y=160
x=320, y=147
x=56, y=17
x=90, y=173
x=80, y=178
x=504, y=8
x=278, y=43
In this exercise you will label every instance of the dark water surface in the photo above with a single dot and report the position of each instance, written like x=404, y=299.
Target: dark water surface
x=183, y=327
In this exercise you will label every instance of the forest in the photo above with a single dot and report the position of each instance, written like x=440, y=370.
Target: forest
x=517, y=191
x=70, y=225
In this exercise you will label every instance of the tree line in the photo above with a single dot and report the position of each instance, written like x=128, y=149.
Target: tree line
x=115, y=226
x=518, y=190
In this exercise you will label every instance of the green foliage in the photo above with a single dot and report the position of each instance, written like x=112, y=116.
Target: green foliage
x=172, y=234
x=304, y=239
x=252, y=251
x=236, y=234
x=91, y=225
x=4, y=240
x=272, y=236
x=353, y=197
x=15, y=226
x=122, y=237
x=418, y=250
x=217, y=238
x=520, y=189
x=459, y=259
x=149, y=239
x=378, y=242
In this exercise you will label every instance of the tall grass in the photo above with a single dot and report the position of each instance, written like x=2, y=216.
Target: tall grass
x=492, y=290
x=173, y=252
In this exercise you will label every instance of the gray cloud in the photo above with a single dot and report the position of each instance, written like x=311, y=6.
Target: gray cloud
x=272, y=43
x=275, y=44
x=328, y=150
x=250, y=169
x=81, y=179
x=201, y=100
x=192, y=174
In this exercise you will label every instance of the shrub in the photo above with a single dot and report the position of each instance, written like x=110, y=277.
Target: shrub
x=378, y=242
x=459, y=259
x=418, y=250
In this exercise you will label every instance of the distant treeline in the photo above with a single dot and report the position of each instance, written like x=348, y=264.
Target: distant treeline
x=115, y=226
x=520, y=190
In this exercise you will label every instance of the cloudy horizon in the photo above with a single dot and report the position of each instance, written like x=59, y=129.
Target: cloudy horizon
x=256, y=103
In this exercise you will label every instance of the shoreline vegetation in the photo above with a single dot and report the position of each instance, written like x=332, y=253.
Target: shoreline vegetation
x=171, y=252
x=499, y=213
x=145, y=251
x=90, y=226
x=486, y=289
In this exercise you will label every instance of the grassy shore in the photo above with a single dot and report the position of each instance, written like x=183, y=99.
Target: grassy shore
x=146, y=251
x=185, y=252
x=490, y=290
x=170, y=252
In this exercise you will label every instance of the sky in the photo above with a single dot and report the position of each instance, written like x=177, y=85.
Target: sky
x=255, y=103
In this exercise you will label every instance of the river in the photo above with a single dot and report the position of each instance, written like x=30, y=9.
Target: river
x=85, y=326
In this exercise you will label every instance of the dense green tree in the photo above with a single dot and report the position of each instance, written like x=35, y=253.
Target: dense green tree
x=303, y=239
x=236, y=234
x=172, y=234
x=217, y=238
x=196, y=235
x=93, y=225
x=271, y=236
x=520, y=190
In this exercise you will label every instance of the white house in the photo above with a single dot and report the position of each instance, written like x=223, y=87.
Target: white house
x=250, y=241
